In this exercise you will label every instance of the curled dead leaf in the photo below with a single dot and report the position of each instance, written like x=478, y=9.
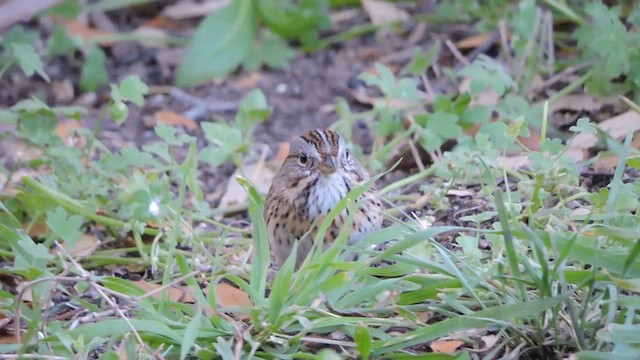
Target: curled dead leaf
x=169, y=117
x=446, y=346
x=229, y=296
x=180, y=294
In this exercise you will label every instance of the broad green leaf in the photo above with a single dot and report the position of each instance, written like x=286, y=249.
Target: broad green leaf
x=94, y=70
x=221, y=42
x=28, y=60
x=67, y=228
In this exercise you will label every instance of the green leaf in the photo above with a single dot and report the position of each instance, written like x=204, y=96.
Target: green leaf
x=221, y=42
x=67, y=228
x=253, y=110
x=28, y=60
x=584, y=126
x=226, y=141
x=61, y=43
x=271, y=51
x=94, y=70
x=486, y=72
x=362, y=338
x=133, y=89
x=190, y=334
x=294, y=19
x=423, y=59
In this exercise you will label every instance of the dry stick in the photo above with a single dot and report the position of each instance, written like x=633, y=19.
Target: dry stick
x=28, y=285
x=20, y=10
x=551, y=55
x=457, y=54
x=109, y=301
x=504, y=40
x=416, y=155
x=562, y=75
x=519, y=70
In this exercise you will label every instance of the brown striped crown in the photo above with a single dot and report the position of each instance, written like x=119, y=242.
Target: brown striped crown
x=324, y=140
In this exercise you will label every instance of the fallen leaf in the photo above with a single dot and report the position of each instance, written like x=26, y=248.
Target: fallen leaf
x=382, y=12
x=617, y=127
x=38, y=230
x=446, y=346
x=513, y=162
x=488, y=97
x=180, y=294
x=229, y=296
x=66, y=130
x=8, y=339
x=162, y=22
x=189, y=9
x=283, y=152
x=577, y=102
x=473, y=41
x=248, y=82
x=532, y=142
x=77, y=28
x=169, y=117
x=261, y=176
x=489, y=341
x=63, y=90
x=83, y=248
x=606, y=163
x=460, y=193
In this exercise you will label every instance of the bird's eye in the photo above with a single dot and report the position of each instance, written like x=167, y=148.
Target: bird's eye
x=303, y=158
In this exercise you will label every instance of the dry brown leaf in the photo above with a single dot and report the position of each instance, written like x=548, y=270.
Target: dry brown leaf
x=169, y=117
x=488, y=97
x=577, y=102
x=606, y=163
x=162, y=22
x=260, y=175
x=382, y=12
x=473, y=41
x=63, y=90
x=513, y=162
x=248, y=82
x=83, y=248
x=66, y=130
x=186, y=9
x=617, y=126
x=532, y=142
x=489, y=341
x=38, y=230
x=229, y=296
x=77, y=28
x=177, y=294
x=446, y=346
x=283, y=151
x=8, y=339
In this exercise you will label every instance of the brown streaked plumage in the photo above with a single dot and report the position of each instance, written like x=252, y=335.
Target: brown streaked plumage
x=318, y=172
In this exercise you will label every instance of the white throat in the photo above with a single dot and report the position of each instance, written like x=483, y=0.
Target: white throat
x=327, y=192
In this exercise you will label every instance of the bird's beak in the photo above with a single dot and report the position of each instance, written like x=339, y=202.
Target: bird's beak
x=328, y=166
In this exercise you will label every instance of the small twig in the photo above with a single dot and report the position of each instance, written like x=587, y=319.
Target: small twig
x=457, y=54
x=335, y=311
x=201, y=106
x=504, y=41
x=98, y=289
x=562, y=75
x=551, y=55
x=427, y=86
x=416, y=155
x=28, y=285
x=91, y=317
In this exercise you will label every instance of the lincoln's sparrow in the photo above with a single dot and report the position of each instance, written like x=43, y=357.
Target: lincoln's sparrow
x=318, y=172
